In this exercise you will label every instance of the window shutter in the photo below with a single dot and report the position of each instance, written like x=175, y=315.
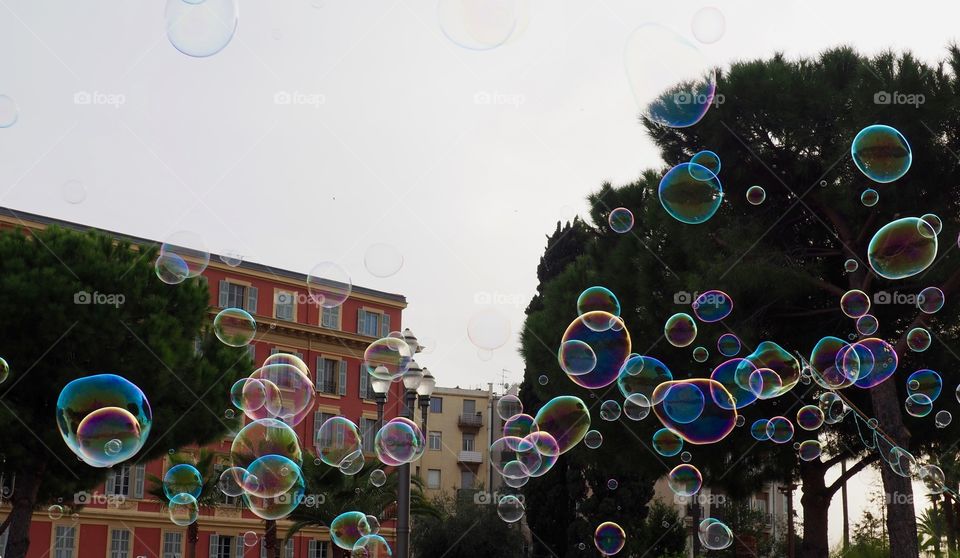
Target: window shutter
x=288, y=548
x=214, y=543
x=251, y=300
x=238, y=545
x=364, y=382
x=222, y=294
x=312, y=549
x=319, y=371
x=263, y=548
x=138, y=474
x=385, y=325
x=342, y=384
x=360, y=320
x=111, y=486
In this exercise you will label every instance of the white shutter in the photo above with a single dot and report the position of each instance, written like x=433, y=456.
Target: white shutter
x=364, y=382
x=111, y=485
x=360, y=320
x=238, y=545
x=214, y=543
x=251, y=300
x=342, y=383
x=319, y=371
x=385, y=325
x=138, y=474
x=312, y=549
x=222, y=294
x=263, y=547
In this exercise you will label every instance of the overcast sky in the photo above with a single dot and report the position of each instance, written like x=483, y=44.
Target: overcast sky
x=391, y=139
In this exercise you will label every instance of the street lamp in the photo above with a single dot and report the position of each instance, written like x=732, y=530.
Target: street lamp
x=380, y=389
x=424, y=391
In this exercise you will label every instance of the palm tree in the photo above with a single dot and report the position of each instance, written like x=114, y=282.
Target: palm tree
x=930, y=528
x=210, y=494
x=335, y=493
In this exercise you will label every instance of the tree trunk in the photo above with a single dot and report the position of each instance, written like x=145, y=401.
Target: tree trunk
x=816, y=504
x=270, y=538
x=901, y=519
x=193, y=535
x=948, y=523
x=23, y=501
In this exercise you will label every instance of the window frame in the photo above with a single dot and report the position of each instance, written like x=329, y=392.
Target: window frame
x=439, y=479
x=110, y=543
x=293, y=304
x=55, y=538
x=163, y=544
x=438, y=438
x=436, y=405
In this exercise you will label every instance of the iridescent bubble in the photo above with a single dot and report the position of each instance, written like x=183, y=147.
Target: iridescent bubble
x=943, y=419
x=680, y=330
x=612, y=484
x=387, y=358
x=867, y=324
x=189, y=248
x=677, y=93
x=9, y=111
x=231, y=257
x=352, y=463
x=201, y=29
x=741, y=420
x=271, y=476
x=869, y=197
x=371, y=546
x=113, y=447
x=4, y=370
x=610, y=345
x=510, y=508
x=55, y=512
x=234, y=327
x=546, y=446
x=519, y=425
x=728, y=344
x=688, y=199
x=336, y=439
x=183, y=509
x=685, y=480
x=855, y=303
x=756, y=195
x=877, y=361
x=378, y=478
x=712, y=306
x=764, y=383
x=171, y=269
x=686, y=457
x=636, y=406
x=509, y=405
x=810, y=450
x=232, y=481
x=881, y=153
x=641, y=375
x=95, y=410
x=780, y=430
x=850, y=265
x=182, y=478
x=933, y=478
x=900, y=250
x=328, y=284
x=73, y=191
x=399, y=441
x=708, y=25
x=250, y=539
x=348, y=528
x=925, y=381
x=759, y=430
x=593, y=439
x=930, y=300
x=488, y=329
x=576, y=357
x=678, y=401
x=772, y=356
x=263, y=438
x=291, y=377
x=701, y=354
x=833, y=363
x=542, y=380
x=708, y=160
x=918, y=339
x=566, y=418
x=610, y=410
x=667, y=443
x=810, y=417
x=609, y=538
x=374, y=524
x=714, y=534
x=598, y=299
x=935, y=224
x=477, y=24
x=918, y=405
x=682, y=402
x=620, y=220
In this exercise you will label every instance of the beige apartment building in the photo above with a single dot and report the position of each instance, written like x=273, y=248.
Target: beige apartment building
x=461, y=426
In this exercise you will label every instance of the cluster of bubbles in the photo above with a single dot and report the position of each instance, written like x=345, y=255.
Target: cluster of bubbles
x=358, y=534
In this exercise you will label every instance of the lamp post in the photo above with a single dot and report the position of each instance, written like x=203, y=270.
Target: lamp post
x=380, y=389
x=412, y=379
x=424, y=392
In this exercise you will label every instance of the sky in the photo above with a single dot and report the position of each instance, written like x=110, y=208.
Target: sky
x=463, y=160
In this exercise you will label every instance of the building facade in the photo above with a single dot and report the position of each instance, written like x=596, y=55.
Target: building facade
x=120, y=520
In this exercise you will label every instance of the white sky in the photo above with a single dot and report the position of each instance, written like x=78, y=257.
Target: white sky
x=398, y=152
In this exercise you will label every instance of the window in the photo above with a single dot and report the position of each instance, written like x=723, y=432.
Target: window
x=172, y=545
x=326, y=375
x=330, y=318
x=318, y=549
x=370, y=326
x=286, y=548
x=469, y=442
x=252, y=351
x=126, y=480
x=469, y=407
x=436, y=404
x=225, y=547
x=63, y=542
x=119, y=543
x=433, y=478
x=366, y=388
x=284, y=306
x=368, y=428
x=467, y=479
x=232, y=295
x=319, y=418
x=436, y=440
x=222, y=498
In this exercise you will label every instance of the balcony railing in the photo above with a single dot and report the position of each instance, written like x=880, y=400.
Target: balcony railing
x=471, y=420
x=466, y=456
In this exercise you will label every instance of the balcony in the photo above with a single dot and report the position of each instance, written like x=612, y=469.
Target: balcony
x=470, y=420
x=470, y=457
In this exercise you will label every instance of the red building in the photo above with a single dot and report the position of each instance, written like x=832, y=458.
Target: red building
x=120, y=520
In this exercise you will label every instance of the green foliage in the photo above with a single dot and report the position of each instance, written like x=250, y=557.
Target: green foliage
x=204, y=463
x=465, y=529
x=49, y=340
